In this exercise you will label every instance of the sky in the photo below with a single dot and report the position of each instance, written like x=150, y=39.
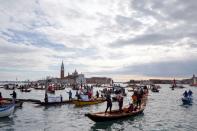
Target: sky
x=122, y=39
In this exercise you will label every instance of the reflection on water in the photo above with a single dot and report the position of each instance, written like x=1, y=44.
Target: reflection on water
x=164, y=111
x=6, y=121
x=108, y=125
x=102, y=126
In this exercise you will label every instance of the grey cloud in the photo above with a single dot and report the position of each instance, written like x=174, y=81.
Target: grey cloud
x=173, y=12
x=34, y=38
x=181, y=68
x=141, y=40
x=167, y=37
x=127, y=23
x=168, y=68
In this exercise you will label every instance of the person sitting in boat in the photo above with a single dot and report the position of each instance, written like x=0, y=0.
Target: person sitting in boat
x=97, y=94
x=190, y=93
x=14, y=95
x=135, y=108
x=131, y=108
x=109, y=103
x=89, y=94
x=134, y=97
x=185, y=94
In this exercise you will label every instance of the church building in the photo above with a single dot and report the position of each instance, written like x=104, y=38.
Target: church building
x=72, y=79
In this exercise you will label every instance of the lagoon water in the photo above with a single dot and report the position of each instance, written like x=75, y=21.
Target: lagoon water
x=164, y=112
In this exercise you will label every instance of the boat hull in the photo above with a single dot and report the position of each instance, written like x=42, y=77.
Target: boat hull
x=84, y=103
x=187, y=100
x=55, y=103
x=114, y=115
x=156, y=90
x=28, y=90
x=7, y=110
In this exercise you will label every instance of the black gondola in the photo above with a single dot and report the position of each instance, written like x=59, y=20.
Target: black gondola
x=114, y=115
x=54, y=103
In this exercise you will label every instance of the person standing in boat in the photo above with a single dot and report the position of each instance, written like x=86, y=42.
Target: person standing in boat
x=97, y=94
x=134, y=98
x=14, y=95
x=70, y=95
x=190, y=93
x=139, y=97
x=77, y=94
x=1, y=97
x=185, y=94
x=109, y=103
x=120, y=102
x=46, y=98
x=61, y=98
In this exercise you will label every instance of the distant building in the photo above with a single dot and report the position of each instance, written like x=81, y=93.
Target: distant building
x=194, y=80
x=159, y=81
x=99, y=80
x=72, y=79
x=62, y=71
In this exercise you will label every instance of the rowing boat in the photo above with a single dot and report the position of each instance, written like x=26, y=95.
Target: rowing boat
x=6, y=110
x=114, y=115
x=187, y=100
x=25, y=90
x=54, y=103
x=9, y=101
x=90, y=102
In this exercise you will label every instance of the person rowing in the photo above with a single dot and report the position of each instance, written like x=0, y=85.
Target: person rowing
x=14, y=95
x=109, y=103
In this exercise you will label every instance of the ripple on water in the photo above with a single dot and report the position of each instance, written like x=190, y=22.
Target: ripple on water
x=164, y=112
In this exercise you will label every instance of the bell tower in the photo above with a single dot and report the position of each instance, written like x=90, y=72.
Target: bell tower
x=62, y=71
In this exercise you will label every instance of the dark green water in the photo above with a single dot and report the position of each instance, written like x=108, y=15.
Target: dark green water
x=164, y=112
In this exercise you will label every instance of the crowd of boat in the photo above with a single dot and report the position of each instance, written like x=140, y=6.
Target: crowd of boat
x=84, y=96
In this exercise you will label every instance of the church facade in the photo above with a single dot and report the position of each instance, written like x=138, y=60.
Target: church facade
x=72, y=79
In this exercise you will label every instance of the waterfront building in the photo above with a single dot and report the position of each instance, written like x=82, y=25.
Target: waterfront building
x=62, y=71
x=194, y=81
x=99, y=80
x=72, y=79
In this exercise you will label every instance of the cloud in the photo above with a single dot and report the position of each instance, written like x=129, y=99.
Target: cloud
x=36, y=39
x=179, y=68
x=97, y=37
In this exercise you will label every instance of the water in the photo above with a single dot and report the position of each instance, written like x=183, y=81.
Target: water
x=164, y=112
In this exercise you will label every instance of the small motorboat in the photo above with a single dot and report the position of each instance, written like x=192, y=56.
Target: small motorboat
x=6, y=110
x=187, y=100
